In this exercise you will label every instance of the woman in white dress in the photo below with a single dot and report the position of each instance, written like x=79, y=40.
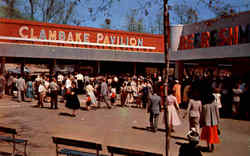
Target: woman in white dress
x=173, y=107
x=90, y=91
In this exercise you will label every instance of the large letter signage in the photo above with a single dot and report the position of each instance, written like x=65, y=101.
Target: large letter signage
x=222, y=37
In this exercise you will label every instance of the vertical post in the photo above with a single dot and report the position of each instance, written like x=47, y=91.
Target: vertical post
x=14, y=145
x=3, y=61
x=134, y=68
x=97, y=151
x=166, y=47
x=56, y=149
x=98, y=67
x=179, y=69
x=52, y=66
x=77, y=67
x=22, y=68
x=25, y=148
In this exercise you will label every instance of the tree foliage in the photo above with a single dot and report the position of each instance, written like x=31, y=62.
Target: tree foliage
x=9, y=9
x=185, y=14
x=219, y=7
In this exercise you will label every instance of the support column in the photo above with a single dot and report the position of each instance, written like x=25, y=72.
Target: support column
x=52, y=66
x=22, y=68
x=2, y=68
x=179, y=69
x=77, y=67
x=2, y=79
x=98, y=67
x=134, y=68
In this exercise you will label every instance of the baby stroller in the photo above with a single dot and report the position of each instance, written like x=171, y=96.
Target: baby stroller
x=193, y=136
x=191, y=149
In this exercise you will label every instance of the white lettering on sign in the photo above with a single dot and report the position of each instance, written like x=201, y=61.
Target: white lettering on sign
x=43, y=35
x=61, y=36
x=70, y=37
x=32, y=35
x=101, y=38
x=78, y=37
x=21, y=31
x=86, y=37
x=52, y=35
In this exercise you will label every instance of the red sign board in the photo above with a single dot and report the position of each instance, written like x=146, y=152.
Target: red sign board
x=29, y=32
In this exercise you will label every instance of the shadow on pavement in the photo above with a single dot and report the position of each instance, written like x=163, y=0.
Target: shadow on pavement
x=188, y=149
x=65, y=114
x=147, y=129
x=7, y=154
x=91, y=108
x=141, y=128
x=44, y=107
x=200, y=148
x=178, y=138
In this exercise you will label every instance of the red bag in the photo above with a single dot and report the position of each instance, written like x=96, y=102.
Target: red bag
x=113, y=95
x=89, y=99
x=88, y=102
x=67, y=91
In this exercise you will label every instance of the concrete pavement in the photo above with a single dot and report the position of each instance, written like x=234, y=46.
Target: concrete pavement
x=125, y=127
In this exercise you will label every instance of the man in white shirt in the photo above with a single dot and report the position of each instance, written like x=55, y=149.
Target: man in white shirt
x=42, y=93
x=68, y=83
x=60, y=78
x=21, y=86
x=38, y=78
x=46, y=85
x=79, y=78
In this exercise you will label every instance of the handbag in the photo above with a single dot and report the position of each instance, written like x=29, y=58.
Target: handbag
x=218, y=131
x=88, y=101
x=67, y=91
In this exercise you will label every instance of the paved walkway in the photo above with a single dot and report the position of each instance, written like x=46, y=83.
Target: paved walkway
x=123, y=127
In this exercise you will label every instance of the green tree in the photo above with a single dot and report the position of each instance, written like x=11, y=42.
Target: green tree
x=9, y=9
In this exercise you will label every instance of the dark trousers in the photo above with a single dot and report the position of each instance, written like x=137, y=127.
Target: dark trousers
x=144, y=101
x=80, y=86
x=54, y=95
x=105, y=99
x=9, y=90
x=153, y=118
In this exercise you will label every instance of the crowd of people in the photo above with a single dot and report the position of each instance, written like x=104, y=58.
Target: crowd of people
x=205, y=98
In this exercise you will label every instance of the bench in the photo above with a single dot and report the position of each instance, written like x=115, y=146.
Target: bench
x=130, y=152
x=76, y=143
x=12, y=139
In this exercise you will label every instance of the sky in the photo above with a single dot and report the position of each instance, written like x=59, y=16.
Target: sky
x=120, y=9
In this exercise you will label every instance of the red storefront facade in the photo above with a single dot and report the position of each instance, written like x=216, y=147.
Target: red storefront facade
x=221, y=45
x=34, y=42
